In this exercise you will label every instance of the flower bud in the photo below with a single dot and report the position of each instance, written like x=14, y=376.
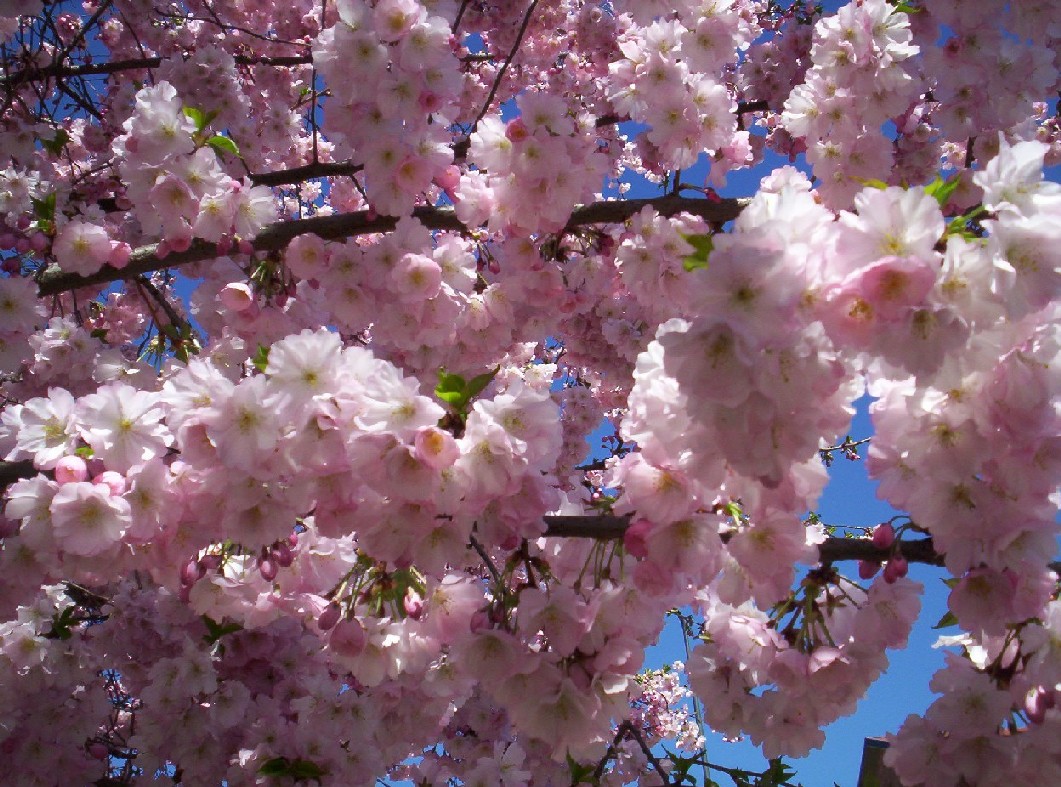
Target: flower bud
x=112, y=480
x=191, y=572
x=71, y=468
x=236, y=297
x=329, y=617
x=413, y=604
x=268, y=569
x=883, y=536
x=867, y=569
x=895, y=569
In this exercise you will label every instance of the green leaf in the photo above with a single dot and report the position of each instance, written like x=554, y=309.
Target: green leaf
x=304, y=770
x=85, y=452
x=261, y=358
x=277, y=766
x=942, y=190
x=223, y=145
x=946, y=621
x=216, y=631
x=870, y=182
x=61, y=623
x=580, y=774
x=476, y=385
x=55, y=146
x=199, y=118
x=702, y=245
x=959, y=224
x=44, y=209
x=450, y=388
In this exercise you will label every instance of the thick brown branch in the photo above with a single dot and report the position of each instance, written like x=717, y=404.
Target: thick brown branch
x=319, y=169
x=65, y=71
x=347, y=225
x=833, y=550
x=10, y=472
x=614, y=527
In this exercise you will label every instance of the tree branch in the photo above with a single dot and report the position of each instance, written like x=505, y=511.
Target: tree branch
x=347, y=225
x=63, y=71
x=608, y=528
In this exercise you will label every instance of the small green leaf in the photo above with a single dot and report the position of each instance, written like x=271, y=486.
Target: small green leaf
x=451, y=388
x=946, y=621
x=959, y=224
x=216, y=631
x=55, y=146
x=904, y=7
x=44, y=209
x=304, y=770
x=580, y=774
x=85, y=452
x=702, y=245
x=277, y=766
x=199, y=118
x=942, y=190
x=261, y=358
x=873, y=183
x=477, y=384
x=223, y=145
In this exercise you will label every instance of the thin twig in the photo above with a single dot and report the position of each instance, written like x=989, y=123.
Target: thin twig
x=505, y=65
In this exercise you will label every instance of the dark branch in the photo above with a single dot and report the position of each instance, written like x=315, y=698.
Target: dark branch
x=64, y=71
x=613, y=527
x=347, y=225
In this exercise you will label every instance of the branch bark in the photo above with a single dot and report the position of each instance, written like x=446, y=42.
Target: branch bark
x=64, y=71
x=347, y=225
x=608, y=528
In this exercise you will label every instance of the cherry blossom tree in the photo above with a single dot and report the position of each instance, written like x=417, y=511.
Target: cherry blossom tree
x=308, y=308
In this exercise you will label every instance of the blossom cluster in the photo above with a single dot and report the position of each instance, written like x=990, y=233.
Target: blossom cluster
x=296, y=500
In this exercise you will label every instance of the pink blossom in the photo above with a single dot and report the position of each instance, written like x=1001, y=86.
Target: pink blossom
x=88, y=519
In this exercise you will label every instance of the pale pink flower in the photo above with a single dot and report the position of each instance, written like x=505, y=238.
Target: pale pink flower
x=81, y=247
x=123, y=425
x=88, y=519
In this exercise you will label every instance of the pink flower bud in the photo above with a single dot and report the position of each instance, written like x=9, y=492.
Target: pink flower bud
x=413, y=604
x=1036, y=703
x=38, y=241
x=112, y=480
x=282, y=554
x=210, y=562
x=236, y=297
x=867, y=569
x=348, y=637
x=635, y=538
x=329, y=617
x=895, y=569
x=191, y=572
x=516, y=130
x=71, y=468
x=8, y=527
x=245, y=247
x=449, y=178
x=292, y=540
x=883, y=536
x=119, y=256
x=98, y=750
x=268, y=569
